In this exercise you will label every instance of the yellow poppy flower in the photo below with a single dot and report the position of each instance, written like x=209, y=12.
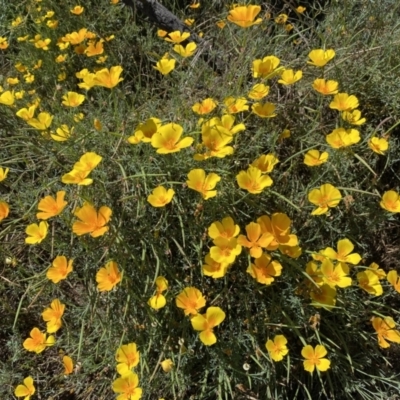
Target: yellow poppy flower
x=108, y=277
x=391, y=201
x=202, y=183
x=91, y=221
x=160, y=196
x=205, y=323
x=277, y=348
x=325, y=197
x=190, y=300
x=314, y=358
x=50, y=206
x=385, y=329
x=127, y=357
x=245, y=16
x=36, y=233
x=60, y=269
x=319, y=57
x=253, y=180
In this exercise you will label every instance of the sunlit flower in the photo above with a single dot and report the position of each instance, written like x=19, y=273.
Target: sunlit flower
x=327, y=196
x=378, y=145
x=167, y=365
x=91, y=221
x=77, y=177
x=42, y=44
x=264, y=110
x=4, y=210
x=7, y=98
x=186, y=51
x=300, y=9
x=127, y=357
x=258, y=91
x=369, y=282
x=202, y=183
x=88, y=79
x=167, y=139
x=343, y=102
x=385, y=331
x=94, y=48
x=38, y=341
x=52, y=316
x=165, y=66
x=265, y=163
x=215, y=142
x=77, y=10
x=224, y=125
x=264, y=270
x=17, y=21
x=253, y=180
x=144, y=132
x=245, y=16
x=52, y=24
x=190, y=300
x=3, y=43
x=127, y=386
x=161, y=33
x=278, y=226
x=50, y=206
x=3, y=173
x=277, y=348
x=60, y=269
x=42, y=122
x=213, y=268
x=281, y=19
x=26, y=390
x=265, y=68
x=320, y=58
x=158, y=300
x=26, y=113
x=36, y=233
x=62, y=134
x=108, y=78
x=325, y=87
x=323, y=296
x=176, y=37
x=160, y=196
x=344, y=248
x=313, y=158
x=73, y=99
x=235, y=105
x=108, y=276
x=394, y=279
x=256, y=241
x=391, y=201
x=88, y=162
x=205, y=323
x=226, y=228
x=353, y=117
x=12, y=81
x=205, y=106
x=75, y=37
x=335, y=275
x=341, y=137
x=68, y=365
x=289, y=77
x=225, y=250
x=314, y=358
